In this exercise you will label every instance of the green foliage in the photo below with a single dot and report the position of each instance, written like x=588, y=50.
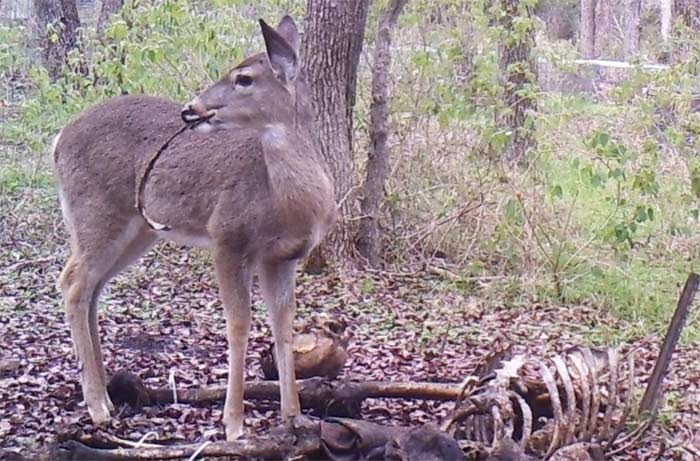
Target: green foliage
x=13, y=56
x=607, y=213
x=16, y=178
x=170, y=48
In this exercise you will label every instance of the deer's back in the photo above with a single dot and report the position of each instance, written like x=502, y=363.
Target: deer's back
x=99, y=154
x=201, y=183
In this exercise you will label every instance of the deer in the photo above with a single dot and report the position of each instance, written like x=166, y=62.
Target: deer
x=246, y=181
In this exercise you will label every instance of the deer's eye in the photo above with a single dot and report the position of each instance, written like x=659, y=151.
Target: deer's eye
x=244, y=80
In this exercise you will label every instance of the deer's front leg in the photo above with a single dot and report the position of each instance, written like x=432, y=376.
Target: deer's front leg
x=234, y=278
x=277, y=285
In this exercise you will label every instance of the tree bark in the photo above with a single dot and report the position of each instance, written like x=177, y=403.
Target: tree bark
x=603, y=29
x=555, y=16
x=57, y=24
x=633, y=27
x=368, y=241
x=109, y=8
x=587, y=26
x=666, y=7
x=519, y=72
x=331, y=46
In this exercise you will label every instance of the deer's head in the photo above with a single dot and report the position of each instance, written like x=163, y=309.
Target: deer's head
x=259, y=91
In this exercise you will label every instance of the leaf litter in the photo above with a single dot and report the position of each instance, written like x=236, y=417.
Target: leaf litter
x=162, y=320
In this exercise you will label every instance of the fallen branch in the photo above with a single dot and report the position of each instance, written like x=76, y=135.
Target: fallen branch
x=651, y=395
x=272, y=447
x=339, y=399
x=334, y=438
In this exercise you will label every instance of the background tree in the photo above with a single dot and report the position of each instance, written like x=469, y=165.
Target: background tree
x=633, y=26
x=603, y=29
x=331, y=46
x=57, y=24
x=596, y=34
x=514, y=18
x=557, y=16
x=687, y=15
x=587, y=29
x=368, y=241
x=666, y=10
x=109, y=7
x=688, y=11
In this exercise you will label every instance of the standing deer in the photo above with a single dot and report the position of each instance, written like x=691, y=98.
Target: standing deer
x=247, y=182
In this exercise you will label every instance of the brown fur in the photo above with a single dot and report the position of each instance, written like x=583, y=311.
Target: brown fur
x=255, y=191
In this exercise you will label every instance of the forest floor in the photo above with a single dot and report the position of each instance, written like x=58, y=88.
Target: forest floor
x=163, y=316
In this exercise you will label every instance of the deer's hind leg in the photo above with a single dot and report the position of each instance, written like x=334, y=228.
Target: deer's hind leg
x=98, y=252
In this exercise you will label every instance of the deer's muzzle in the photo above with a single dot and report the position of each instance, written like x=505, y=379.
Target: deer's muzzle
x=195, y=111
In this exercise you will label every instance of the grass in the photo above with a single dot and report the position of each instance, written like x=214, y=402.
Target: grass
x=16, y=177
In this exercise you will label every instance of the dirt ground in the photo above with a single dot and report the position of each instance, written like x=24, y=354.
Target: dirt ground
x=163, y=316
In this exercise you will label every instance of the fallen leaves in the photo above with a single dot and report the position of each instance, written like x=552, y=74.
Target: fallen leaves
x=163, y=314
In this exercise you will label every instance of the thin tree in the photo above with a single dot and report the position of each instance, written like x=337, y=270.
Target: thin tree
x=519, y=76
x=368, y=241
x=57, y=24
x=603, y=28
x=331, y=45
x=666, y=7
x=633, y=9
x=587, y=29
x=109, y=8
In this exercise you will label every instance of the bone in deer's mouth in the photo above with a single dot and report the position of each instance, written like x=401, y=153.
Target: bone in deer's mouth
x=193, y=121
x=201, y=126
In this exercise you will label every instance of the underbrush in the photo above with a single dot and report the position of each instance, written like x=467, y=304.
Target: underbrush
x=606, y=214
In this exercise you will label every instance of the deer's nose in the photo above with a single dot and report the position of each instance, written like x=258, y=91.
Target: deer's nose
x=195, y=111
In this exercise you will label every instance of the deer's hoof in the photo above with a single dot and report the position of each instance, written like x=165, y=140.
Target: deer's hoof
x=100, y=413
x=234, y=431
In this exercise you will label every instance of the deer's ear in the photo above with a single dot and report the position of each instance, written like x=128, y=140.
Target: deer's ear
x=288, y=30
x=282, y=56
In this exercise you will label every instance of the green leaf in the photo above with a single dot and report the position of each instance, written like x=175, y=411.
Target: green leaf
x=695, y=186
x=600, y=140
x=512, y=211
x=597, y=180
x=557, y=192
x=640, y=214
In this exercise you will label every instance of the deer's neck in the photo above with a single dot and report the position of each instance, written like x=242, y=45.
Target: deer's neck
x=297, y=177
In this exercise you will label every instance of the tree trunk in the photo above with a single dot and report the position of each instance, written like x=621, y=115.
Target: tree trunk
x=666, y=13
x=557, y=21
x=109, y=7
x=603, y=29
x=57, y=23
x=587, y=45
x=368, y=242
x=331, y=46
x=519, y=73
x=633, y=27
